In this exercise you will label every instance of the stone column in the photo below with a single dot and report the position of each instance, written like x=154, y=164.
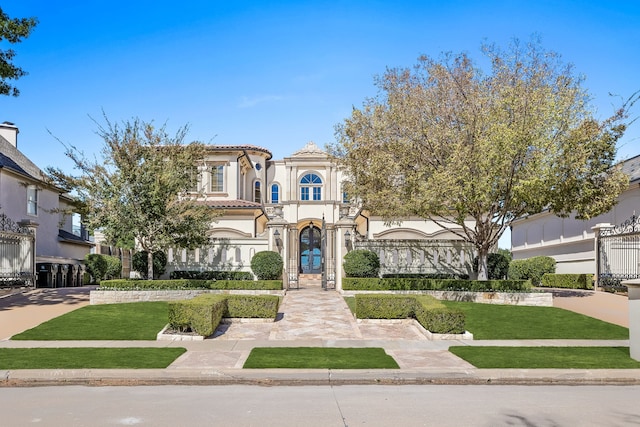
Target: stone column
x=634, y=317
x=341, y=248
x=596, y=232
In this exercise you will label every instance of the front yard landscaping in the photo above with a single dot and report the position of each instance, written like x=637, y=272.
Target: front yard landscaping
x=547, y=357
x=319, y=358
x=88, y=358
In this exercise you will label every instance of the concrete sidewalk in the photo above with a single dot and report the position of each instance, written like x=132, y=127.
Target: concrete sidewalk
x=310, y=317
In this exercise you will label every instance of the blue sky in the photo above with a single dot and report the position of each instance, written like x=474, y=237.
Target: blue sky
x=277, y=73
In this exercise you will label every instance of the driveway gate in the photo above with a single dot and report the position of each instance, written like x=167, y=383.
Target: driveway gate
x=17, y=254
x=618, y=252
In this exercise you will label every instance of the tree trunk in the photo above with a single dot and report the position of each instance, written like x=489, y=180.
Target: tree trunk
x=483, y=272
x=150, y=265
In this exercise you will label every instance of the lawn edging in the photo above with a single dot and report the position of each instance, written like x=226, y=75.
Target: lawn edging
x=410, y=321
x=116, y=297
x=534, y=299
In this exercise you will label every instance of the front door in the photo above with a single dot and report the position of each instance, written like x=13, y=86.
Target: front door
x=310, y=253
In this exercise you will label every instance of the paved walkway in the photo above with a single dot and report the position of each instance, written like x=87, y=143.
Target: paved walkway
x=308, y=317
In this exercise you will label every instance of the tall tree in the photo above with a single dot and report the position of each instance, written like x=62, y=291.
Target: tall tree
x=13, y=30
x=141, y=188
x=472, y=151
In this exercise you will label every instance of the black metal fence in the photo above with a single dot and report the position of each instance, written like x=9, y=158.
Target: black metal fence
x=618, y=253
x=17, y=254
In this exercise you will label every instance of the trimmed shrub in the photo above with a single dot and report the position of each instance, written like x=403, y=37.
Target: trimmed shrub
x=97, y=266
x=200, y=315
x=361, y=263
x=570, y=281
x=428, y=311
x=141, y=265
x=532, y=269
x=252, y=306
x=114, y=267
x=267, y=265
x=425, y=276
x=407, y=284
x=371, y=306
x=177, y=284
x=211, y=275
x=497, y=266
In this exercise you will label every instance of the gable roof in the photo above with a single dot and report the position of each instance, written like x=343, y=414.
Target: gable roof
x=12, y=159
x=632, y=168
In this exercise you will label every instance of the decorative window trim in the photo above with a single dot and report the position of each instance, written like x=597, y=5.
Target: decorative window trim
x=257, y=191
x=310, y=180
x=276, y=186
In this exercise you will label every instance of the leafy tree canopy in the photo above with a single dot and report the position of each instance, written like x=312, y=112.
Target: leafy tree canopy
x=140, y=189
x=12, y=30
x=472, y=151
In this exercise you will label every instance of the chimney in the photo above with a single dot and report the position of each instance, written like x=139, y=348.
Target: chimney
x=9, y=131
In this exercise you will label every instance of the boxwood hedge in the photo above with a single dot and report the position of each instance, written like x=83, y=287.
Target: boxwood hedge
x=420, y=284
x=128, y=285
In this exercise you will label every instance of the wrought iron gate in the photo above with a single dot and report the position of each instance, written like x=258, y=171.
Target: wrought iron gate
x=17, y=254
x=618, y=253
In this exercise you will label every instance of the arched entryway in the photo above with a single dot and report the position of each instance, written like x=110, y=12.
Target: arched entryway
x=310, y=250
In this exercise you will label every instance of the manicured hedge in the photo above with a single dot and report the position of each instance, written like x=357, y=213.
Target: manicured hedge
x=417, y=284
x=177, y=284
x=361, y=263
x=570, y=281
x=252, y=306
x=428, y=311
x=267, y=265
x=211, y=275
x=203, y=313
x=532, y=269
x=425, y=276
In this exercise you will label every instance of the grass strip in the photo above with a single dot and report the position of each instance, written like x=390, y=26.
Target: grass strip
x=547, y=357
x=88, y=358
x=131, y=321
x=319, y=358
x=511, y=322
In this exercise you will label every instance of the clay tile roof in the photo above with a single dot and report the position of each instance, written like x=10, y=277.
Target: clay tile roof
x=231, y=204
x=241, y=147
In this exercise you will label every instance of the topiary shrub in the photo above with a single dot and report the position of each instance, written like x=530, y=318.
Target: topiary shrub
x=497, y=266
x=97, y=266
x=114, y=267
x=267, y=265
x=140, y=264
x=361, y=263
x=532, y=269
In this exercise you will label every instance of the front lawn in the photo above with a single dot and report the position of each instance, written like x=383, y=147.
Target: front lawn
x=547, y=357
x=131, y=321
x=88, y=358
x=511, y=322
x=319, y=358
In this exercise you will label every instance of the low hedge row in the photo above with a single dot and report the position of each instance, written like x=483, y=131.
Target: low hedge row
x=428, y=311
x=570, y=281
x=425, y=276
x=203, y=313
x=178, y=284
x=211, y=275
x=418, y=284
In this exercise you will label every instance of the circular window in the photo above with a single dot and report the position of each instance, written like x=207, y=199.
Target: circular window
x=258, y=166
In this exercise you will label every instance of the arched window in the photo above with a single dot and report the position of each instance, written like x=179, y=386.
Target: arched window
x=257, y=192
x=275, y=193
x=311, y=187
x=345, y=196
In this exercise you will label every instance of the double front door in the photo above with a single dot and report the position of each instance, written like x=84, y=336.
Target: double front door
x=310, y=250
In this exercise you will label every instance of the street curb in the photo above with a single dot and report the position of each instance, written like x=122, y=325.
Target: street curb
x=317, y=377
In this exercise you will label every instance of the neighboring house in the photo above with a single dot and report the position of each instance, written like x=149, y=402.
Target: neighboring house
x=28, y=198
x=568, y=240
x=297, y=207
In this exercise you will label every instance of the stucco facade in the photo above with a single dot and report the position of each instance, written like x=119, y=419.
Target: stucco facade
x=569, y=241
x=26, y=196
x=296, y=206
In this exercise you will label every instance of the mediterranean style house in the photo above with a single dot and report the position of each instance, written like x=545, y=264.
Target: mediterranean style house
x=571, y=242
x=38, y=243
x=297, y=207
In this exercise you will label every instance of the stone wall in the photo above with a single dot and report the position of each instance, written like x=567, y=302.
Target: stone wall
x=539, y=299
x=114, y=297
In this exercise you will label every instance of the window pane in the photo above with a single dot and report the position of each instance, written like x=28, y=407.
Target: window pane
x=217, y=178
x=317, y=193
x=257, y=193
x=304, y=193
x=275, y=193
x=32, y=201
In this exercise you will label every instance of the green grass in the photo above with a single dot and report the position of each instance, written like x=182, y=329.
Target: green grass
x=547, y=357
x=88, y=358
x=132, y=321
x=510, y=322
x=351, y=303
x=319, y=358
